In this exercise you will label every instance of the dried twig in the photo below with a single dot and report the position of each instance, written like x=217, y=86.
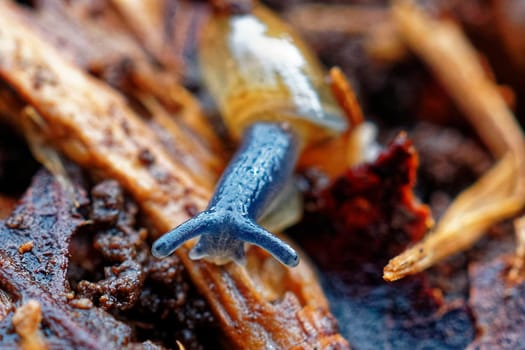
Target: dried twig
x=500, y=193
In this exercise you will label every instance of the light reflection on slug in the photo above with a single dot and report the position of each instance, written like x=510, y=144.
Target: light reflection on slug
x=276, y=60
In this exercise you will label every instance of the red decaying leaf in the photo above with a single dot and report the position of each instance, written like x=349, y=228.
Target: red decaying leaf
x=370, y=213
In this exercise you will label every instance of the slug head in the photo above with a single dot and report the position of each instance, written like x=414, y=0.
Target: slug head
x=222, y=238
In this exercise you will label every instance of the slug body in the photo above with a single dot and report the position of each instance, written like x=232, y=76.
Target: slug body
x=272, y=94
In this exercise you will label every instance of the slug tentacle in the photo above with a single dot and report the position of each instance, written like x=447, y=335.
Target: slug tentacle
x=172, y=240
x=254, y=234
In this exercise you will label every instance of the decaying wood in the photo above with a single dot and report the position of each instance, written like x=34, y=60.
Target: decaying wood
x=176, y=98
x=169, y=46
x=500, y=193
x=146, y=18
x=105, y=45
x=181, y=143
x=74, y=26
x=91, y=124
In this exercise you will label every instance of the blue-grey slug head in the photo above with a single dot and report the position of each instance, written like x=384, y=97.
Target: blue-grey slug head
x=222, y=238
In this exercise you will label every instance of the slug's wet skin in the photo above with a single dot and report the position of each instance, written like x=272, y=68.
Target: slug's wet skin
x=272, y=95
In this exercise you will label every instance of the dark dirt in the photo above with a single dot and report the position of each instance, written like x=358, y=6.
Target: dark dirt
x=136, y=297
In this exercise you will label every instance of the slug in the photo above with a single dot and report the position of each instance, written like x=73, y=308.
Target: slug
x=272, y=94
